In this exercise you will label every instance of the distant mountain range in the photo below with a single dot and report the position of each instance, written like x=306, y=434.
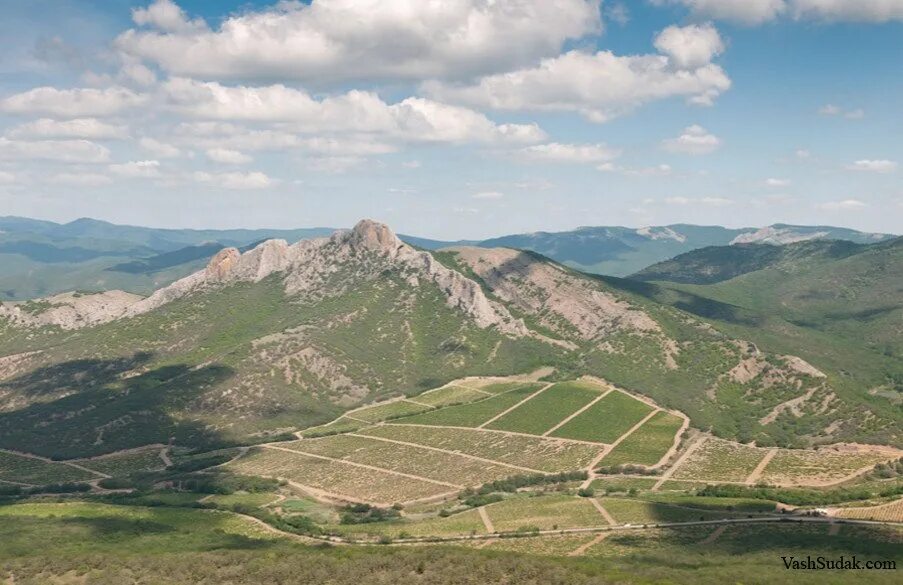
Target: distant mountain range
x=40, y=258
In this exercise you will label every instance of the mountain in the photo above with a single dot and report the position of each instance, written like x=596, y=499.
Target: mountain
x=284, y=336
x=39, y=258
x=835, y=303
x=619, y=251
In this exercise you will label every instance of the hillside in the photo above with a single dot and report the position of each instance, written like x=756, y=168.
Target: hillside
x=619, y=251
x=283, y=337
x=40, y=258
x=837, y=304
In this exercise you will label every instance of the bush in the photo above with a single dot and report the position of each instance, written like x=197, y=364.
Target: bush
x=586, y=492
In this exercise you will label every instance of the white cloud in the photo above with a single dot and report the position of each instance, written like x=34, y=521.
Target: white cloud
x=158, y=148
x=749, y=12
x=80, y=179
x=873, y=166
x=695, y=140
x=138, y=169
x=753, y=12
x=413, y=119
x=691, y=46
x=166, y=16
x=330, y=41
x=706, y=201
x=777, y=183
x=412, y=164
x=832, y=110
x=569, y=153
x=653, y=171
x=488, y=195
x=89, y=128
x=617, y=13
x=228, y=157
x=845, y=205
x=7, y=178
x=72, y=103
x=601, y=85
x=849, y=10
x=803, y=154
x=137, y=73
x=68, y=151
x=237, y=181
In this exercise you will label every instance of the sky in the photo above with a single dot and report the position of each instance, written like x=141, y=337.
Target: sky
x=453, y=119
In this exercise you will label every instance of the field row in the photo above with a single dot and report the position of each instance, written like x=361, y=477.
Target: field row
x=720, y=460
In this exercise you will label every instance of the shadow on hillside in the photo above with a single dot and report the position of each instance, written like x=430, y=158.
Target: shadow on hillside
x=105, y=412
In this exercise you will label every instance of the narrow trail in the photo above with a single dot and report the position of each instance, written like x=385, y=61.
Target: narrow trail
x=670, y=471
x=677, y=436
x=487, y=521
x=608, y=517
x=714, y=535
x=581, y=550
x=527, y=399
x=449, y=452
x=751, y=479
x=425, y=405
x=164, y=455
x=363, y=466
x=578, y=413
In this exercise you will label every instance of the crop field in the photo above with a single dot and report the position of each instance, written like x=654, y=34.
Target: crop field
x=892, y=512
x=649, y=443
x=475, y=413
x=748, y=505
x=615, y=483
x=18, y=469
x=545, y=410
x=240, y=499
x=126, y=463
x=605, y=420
x=815, y=467
x=445, y=467
x=630, y=511
x=458, y=524
x=558, y=545
x=534, y=453
x=450, y=395
x=551, y=512
x=720, y=460
x=339, y=425
x=348, y=481
x=388, y=411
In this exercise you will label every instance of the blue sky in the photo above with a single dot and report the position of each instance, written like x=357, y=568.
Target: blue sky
x=468, y=120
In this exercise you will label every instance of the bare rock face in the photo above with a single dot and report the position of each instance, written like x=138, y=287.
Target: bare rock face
x=374, y=236
x=70, y=310
x=221, y=265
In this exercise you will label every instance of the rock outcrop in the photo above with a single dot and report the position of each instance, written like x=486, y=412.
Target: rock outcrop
x=70, y=310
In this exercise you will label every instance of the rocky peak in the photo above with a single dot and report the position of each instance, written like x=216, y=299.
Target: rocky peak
x=222, y=263
x=374, y=236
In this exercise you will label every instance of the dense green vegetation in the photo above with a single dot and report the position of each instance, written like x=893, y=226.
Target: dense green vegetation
x=542, y=412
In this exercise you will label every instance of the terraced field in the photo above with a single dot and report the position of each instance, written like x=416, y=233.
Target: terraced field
x=387, y=411
x=533, y=454
x=26, y=470
x=606, y=420
x=720, y=460
x=475, y=413
x=428, y=463
x=547, y=408
x=892, y=512
x=118, y=464
x=345, y=481
x=818, y=467
x=649, y=443
x=556, y=512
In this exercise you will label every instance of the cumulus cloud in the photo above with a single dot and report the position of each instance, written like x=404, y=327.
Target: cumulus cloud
x=690, y=47
x=237, y=181
x=777, y=183
x=603, y=85
x=72, y=103
x=695, y=140
x=873, y=166
x=158, y=148
x=569, y=153
x=328, y=41
x=414, y=119
x=844, y=205
x=653, y=171
x=67, y=151
x=89, y=128
x=228, y=157
x=754, y=12
x=138, y=169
